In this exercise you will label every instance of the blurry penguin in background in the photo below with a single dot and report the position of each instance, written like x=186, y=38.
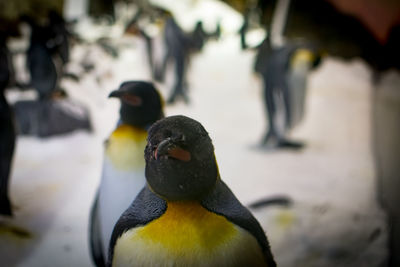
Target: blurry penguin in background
x=42, y=68
x=47, y=54
x=60, y=46
x=186, y=215
x=7, y=130
x=177, y=44
x=146, y=15
x=200, y=36
x=123, y=166
x=283, y=79
x=179, y=47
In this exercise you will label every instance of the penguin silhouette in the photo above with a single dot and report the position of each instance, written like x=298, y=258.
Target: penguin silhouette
x=61, y=34
x=123, y=166
x=274, y=65
x=7, y=130
x=45, y=57
x=186, y=215
x=180, y=47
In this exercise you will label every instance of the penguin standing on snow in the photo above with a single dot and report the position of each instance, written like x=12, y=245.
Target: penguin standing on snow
x=186, y=215
x=40, y=63
x=178, y=45
x=7, y=130
x=60, y=46
x=123, y=166
x=275, y=64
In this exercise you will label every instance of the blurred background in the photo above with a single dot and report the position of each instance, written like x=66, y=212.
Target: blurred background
x=300, y=98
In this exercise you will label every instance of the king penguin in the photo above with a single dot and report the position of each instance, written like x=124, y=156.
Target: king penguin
x=123, y=164
x=186, y=215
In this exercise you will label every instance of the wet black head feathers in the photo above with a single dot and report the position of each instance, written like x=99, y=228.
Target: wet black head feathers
x=180, y=160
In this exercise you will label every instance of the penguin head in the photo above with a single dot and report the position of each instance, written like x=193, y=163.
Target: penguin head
x=141, y=104
x=180, y=160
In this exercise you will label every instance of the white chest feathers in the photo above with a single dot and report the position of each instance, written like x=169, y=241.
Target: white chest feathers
x=122, y=177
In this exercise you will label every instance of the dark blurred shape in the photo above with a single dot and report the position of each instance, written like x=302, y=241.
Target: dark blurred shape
x=275, y=65
x=386, y=145
x=41, y=65
x=51, y=117
x=337, y=33
x=15, y=231
x=61, y=36
x=105, y=44
x=101, y=8
x=48, y=53
x=95, y=240
x=390, y=57
x=200, y=36
x=151, y=14
x=180, y=46
x=271, y=201
x=177, y=45
x=52, y=113
x=7, y=131
x=12, y=10
x=378, y=16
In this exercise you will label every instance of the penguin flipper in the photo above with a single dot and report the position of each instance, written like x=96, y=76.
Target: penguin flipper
x=223, y=202
x=95, y=239
x=146, y=207
x=284, y=201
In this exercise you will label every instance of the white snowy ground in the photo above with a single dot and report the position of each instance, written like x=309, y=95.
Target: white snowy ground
x=335, y=220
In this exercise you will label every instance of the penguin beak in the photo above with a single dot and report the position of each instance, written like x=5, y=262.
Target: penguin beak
x=127, y=98
x=116, y=93
x=168, y=149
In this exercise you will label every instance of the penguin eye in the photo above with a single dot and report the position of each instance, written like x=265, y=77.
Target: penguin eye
x=181, y=138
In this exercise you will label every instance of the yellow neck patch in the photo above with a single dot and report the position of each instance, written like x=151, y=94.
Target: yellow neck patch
x=187, y=235
x=188, y=226
x=302, y=55
x=125, y=148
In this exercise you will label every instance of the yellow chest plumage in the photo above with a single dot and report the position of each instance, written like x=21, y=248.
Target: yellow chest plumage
x=301, y=56
x=187, y=235
x=188, y=225
x=125, y=148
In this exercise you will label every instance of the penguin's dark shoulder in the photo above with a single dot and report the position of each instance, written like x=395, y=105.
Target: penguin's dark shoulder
x=223, y=202
x=145, y=208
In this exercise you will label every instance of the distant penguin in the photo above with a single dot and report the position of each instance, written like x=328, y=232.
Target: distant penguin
x=123, y=166
x=44, y=71
x=7, y=130
x=186, y=215
x=178, y=45
x=60, y=43
x=275, y=64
